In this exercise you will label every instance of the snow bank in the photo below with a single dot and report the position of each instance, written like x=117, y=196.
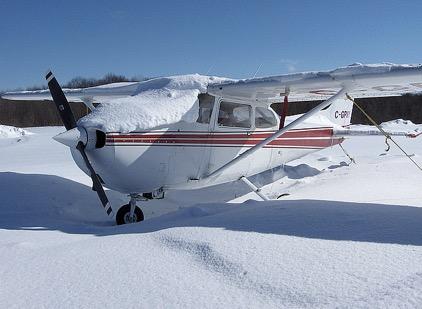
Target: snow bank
x=160, y=101
x=11, y=132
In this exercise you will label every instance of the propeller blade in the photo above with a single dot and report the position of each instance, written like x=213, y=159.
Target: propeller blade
x=61, y=102
x=69, y=122
x=96, y=183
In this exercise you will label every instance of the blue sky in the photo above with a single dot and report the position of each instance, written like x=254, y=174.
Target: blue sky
x=227, y=38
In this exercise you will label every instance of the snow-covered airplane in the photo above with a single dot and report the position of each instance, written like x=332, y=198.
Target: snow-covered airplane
x=192, y=131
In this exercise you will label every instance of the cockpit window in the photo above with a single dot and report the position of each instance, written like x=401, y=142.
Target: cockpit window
x=234, y=115
x=264, y=118
x=206, y=105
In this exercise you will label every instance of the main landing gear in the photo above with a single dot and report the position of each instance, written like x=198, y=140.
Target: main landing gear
x=130, y=213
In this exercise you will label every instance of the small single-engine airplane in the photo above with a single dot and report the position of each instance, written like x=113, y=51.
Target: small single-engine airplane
x=235, y=132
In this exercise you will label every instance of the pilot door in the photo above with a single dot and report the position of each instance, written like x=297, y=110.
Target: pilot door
x=232, y=128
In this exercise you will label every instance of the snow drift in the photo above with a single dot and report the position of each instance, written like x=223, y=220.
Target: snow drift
x=11, y=132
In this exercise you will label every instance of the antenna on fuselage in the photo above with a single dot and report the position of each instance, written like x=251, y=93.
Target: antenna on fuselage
x=209, y=69
x=257, y=70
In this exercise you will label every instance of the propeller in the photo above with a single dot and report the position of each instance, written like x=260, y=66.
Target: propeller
x=69, y=122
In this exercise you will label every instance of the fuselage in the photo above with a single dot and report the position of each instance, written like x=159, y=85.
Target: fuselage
x=178, y=156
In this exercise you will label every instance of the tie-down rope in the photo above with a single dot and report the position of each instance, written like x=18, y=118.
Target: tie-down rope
x=387, y=136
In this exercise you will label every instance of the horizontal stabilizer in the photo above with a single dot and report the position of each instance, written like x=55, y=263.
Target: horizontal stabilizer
x=374, y=132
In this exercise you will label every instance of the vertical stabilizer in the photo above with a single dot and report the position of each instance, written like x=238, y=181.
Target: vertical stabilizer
x=340, y=112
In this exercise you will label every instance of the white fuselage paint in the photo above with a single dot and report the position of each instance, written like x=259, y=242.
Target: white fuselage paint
x=176, y=156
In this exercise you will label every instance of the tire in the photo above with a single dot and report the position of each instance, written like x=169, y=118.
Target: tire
x=122, y=216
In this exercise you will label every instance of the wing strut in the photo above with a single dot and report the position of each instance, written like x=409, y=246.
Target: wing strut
x=273, y=137
x=254, y=188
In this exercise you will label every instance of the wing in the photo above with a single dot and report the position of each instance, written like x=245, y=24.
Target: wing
x=93, y=94
x=372, y=80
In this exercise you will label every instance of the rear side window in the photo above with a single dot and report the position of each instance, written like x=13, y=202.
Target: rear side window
x=234, y=115
x=264, y=118
x=206, y=105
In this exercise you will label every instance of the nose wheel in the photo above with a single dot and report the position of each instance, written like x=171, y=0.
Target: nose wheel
x=124, y=215
x=130, y=213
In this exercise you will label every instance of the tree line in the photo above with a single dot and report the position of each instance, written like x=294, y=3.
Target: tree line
x=83, y=82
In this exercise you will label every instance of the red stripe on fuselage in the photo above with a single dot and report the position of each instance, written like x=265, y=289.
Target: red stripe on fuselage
x=317, y=132
x=312, y=137
x=321, y=143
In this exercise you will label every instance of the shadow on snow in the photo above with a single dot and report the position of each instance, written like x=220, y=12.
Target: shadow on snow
x=44, y=202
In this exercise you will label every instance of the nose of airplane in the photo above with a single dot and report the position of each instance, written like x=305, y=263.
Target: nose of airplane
x=71, y=137
x=90, y=137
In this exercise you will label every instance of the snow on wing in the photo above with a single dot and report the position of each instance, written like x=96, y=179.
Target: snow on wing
x=372, y=80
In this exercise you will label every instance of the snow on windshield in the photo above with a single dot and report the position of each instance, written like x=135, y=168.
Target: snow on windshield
x=160, y=101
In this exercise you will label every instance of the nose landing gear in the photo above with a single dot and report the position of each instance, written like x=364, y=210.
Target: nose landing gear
x=130, y=213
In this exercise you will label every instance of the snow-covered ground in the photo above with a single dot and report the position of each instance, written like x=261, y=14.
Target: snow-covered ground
x=346, y=236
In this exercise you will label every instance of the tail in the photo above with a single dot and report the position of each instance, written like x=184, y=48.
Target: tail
x=340, y=112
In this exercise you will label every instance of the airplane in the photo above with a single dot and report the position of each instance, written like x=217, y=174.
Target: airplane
x=234, y=133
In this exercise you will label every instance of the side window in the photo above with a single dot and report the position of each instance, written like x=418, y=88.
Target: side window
x=264, y=118
x=234, y=115
x=206, y=105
